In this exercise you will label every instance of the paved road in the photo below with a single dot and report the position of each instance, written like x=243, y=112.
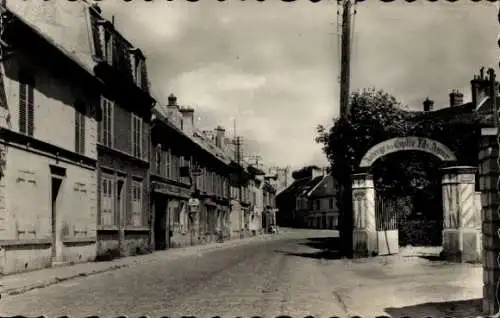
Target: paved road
x=291, y=275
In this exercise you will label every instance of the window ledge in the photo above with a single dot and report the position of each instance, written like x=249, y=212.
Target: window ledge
x=26, y=242
x=131, y=228
x=107, y=228
x=79, y=239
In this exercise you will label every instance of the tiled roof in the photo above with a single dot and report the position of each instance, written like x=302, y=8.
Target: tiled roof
x=294, y=188
x=310, y=185
x=83, y=63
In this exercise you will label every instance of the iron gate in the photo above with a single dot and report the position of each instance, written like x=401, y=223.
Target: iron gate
x=386, y=211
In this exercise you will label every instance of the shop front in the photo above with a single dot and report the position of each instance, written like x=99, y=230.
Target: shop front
x=171, y=215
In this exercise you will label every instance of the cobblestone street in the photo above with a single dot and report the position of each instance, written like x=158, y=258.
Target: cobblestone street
x=290, y=274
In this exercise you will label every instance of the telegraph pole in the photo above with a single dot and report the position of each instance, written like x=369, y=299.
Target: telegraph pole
x=240, y=174
x=345, y=66
x=346, y=213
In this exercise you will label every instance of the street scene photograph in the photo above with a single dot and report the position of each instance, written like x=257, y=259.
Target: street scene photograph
x=332, y=158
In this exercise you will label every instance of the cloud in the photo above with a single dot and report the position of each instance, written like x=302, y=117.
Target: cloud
x=274, y=66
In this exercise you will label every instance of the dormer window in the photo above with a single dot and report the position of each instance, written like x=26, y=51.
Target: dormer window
x=108, y=46
x=137, y=61
x=107, y=37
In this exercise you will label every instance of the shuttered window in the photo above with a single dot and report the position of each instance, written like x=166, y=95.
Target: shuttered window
x=136, y=215
x=26, y=104
x=136, y=136
x=108, y=46
x=106, y=130
x=138, y=70
x=107, y=200
x=80, y=110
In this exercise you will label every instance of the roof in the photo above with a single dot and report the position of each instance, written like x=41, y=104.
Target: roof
x=444, y=112
x=307, y=187
x=197, y=137
x=48, y=38
x=295, y=188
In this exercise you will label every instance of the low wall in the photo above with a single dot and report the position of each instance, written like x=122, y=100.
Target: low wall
x=420, y=233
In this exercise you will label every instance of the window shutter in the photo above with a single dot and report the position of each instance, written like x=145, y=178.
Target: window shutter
x=144, y=76
x=31, y=109
x=142, y=145
x=22, y=107
x=82, y=133
x=104, y=120
x=77, y=129
x=96, y=29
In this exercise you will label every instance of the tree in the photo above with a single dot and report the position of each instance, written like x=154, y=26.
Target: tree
x=376, y=116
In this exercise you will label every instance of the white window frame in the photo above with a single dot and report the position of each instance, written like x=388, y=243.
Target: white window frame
x=108, y=195
x=136, y=122
x=137, y=201
x=139, y=62
x=108, y=45
x=107, y=104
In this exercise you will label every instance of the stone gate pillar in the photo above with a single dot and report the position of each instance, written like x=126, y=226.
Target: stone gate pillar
x=461, y=236
x=364, y=231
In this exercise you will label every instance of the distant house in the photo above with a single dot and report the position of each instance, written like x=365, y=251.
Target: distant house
x=321, y=203
x=288, y=215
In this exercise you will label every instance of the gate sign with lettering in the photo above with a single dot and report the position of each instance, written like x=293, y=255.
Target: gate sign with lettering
x=407, y=143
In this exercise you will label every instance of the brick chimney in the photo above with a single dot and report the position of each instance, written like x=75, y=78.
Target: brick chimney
x=479, y=88
x=187, y=120
x=456, y=98
x=219, y=137
x=428, y=104
x=172, y=101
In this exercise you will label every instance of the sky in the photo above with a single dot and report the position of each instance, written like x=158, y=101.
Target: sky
x=272, y=67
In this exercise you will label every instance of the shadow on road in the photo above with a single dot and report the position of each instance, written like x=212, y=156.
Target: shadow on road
x=327, y=248
x=458, y=309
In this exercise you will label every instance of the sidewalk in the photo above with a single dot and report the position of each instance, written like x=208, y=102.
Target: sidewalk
x=23, y=282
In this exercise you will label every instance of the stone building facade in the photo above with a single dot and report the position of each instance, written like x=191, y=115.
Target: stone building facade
x=123, y=141
x=48, y=141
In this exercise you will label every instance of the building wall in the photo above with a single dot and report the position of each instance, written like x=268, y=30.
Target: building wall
x=488, y=171
x=28, y=222
x=25, y=226
x=54, y=98
x=236, y=219
x=135, y=239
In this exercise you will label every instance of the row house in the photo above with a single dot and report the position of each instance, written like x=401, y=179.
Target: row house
x=322, y=205
x=123, y=141
x=48, y=124
x=187, y=168
x=256, y=188
x=269, y=190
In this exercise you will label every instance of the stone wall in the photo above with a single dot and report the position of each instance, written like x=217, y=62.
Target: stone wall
x=488, y=176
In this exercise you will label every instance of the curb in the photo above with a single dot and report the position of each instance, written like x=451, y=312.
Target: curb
x=125, y=264
x=56, y=280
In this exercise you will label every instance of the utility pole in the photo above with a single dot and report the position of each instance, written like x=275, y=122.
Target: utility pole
x=345, y=62
x=240, y=178
x=345, y=193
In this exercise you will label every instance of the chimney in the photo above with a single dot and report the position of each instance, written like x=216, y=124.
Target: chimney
x=428, y=104
x=187, y=120
x=456, y=98
x=172, y=101
x=479, y=88
x=219, y=137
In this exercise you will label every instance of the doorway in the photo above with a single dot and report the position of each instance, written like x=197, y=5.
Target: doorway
x=162, y=240
x=56, y=182
x=120, y=201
